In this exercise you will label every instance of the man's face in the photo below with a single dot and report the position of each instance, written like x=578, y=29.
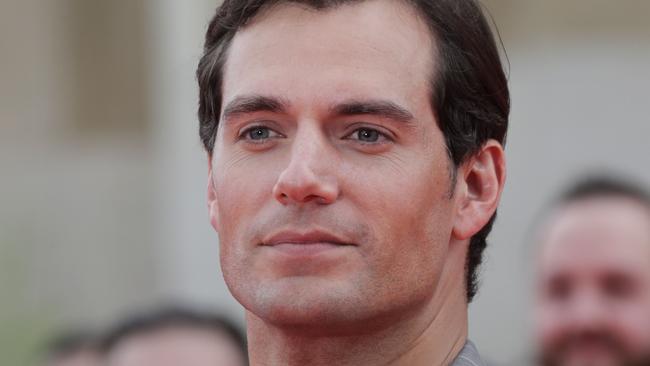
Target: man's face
x=593, y=296
x=331, y=181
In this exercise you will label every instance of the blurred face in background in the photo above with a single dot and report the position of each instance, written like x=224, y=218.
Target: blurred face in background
x=593, y=284
x=176, y=346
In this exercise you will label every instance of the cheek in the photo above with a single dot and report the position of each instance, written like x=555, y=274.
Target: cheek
x=241, y=189
x=405, y=201
x=548, y=329
x=550, y=322
x=633, y=323
x=239, y=201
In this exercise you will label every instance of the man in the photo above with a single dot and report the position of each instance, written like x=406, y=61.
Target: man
x=355, y=167
x=173, y=337
x=593, y=277
x=73, y=349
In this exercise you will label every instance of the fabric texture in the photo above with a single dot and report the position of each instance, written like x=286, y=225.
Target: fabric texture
x=468, y=356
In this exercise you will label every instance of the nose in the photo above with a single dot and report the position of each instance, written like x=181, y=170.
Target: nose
x=310, y=173
x=589, y=311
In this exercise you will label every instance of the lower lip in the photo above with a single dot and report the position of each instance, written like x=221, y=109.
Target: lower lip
x=306, y=249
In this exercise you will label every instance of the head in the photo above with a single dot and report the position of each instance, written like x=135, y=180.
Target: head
x=355, y=152
x=593, y=277
x=175, y=337
x=74, y=349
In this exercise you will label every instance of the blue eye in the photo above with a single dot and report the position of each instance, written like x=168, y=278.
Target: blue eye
x=258, y=133
x=367, y=135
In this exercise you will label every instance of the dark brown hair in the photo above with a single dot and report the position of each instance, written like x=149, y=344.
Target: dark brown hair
x=598, y=186
x=469, y=90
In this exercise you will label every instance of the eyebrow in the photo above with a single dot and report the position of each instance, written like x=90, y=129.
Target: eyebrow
x=379, y=108
x=259, y=103
x=253, y=103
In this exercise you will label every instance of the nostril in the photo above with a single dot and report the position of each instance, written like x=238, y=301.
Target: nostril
x=317, y=199
x=283, y=197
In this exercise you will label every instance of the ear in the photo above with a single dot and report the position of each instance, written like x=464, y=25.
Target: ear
x=480, y=183
x=212, y=197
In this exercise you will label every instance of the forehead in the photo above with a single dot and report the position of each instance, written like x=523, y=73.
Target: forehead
x=362, y=49
x=175, y=346
x=599, y=234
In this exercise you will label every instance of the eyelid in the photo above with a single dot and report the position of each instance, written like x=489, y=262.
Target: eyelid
x=386, y=134
x=258, y=124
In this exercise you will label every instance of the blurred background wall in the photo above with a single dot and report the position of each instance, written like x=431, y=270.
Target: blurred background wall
x=102, y=176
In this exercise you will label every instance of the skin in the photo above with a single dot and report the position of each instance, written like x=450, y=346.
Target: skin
x=306, y=159
x=593, y=303
x=176, y=346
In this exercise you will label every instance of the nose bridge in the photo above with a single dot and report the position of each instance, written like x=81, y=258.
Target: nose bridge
x=307, y=174
x=307, y=147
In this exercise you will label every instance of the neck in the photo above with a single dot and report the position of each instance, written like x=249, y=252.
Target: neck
x=433, y=335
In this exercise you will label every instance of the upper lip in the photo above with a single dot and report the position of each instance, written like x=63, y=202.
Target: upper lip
x=304, y=237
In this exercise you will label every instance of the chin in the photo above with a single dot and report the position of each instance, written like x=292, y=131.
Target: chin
x=304, y=300
x=309, y=303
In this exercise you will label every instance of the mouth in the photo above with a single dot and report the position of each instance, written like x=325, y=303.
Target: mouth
x=305, y=243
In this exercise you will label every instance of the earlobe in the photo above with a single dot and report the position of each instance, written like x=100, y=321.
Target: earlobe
x=481, y=180
x=212, y=198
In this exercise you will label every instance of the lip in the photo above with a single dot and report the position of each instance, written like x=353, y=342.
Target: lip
x=314, y=247
x=306, y=238
x=303, y=244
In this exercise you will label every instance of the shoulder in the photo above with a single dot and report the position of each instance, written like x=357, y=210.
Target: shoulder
x=468, y=356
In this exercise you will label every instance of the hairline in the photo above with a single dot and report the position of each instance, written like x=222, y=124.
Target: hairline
x=437, y=61
x=624, y=198
x=220, y=58
x=620, y=190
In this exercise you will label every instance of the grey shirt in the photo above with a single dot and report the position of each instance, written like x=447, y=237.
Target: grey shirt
x=468, y=356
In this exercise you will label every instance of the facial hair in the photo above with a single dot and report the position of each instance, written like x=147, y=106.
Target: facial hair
x=556, y=354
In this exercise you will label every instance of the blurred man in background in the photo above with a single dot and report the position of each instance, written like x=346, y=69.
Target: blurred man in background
x=73, y=349
x=593, y=277
x=175, y=337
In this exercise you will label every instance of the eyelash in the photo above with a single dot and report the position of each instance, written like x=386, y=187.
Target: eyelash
x=383, y=137
x=243, y=135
